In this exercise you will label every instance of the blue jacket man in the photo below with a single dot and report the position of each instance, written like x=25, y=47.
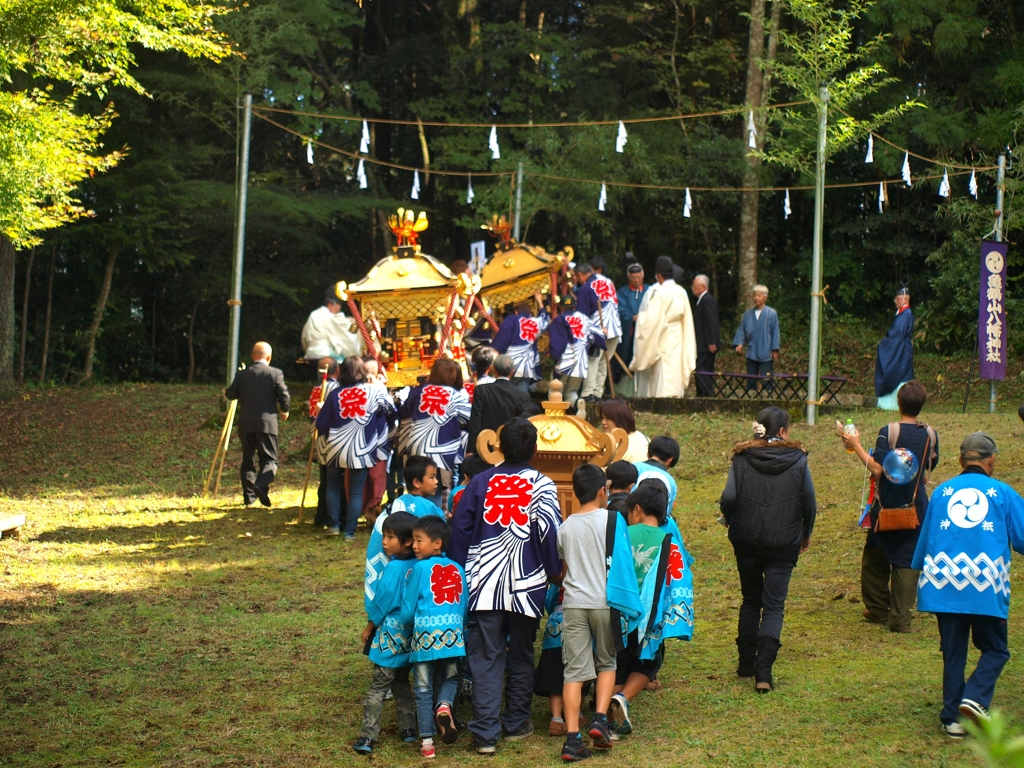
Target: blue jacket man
x=759, y=335
x=964, y=555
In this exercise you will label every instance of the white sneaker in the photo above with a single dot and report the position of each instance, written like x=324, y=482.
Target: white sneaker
x=618, y=713
x=954, y=730
x=974, y=712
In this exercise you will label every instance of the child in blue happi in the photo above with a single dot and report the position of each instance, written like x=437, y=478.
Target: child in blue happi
x=435, y=604
x=661, y=566
x=421, y=482
x=547, y=680
x=388, y=638
x=662, y=455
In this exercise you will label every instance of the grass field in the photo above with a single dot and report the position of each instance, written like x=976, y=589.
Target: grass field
x=140, y=625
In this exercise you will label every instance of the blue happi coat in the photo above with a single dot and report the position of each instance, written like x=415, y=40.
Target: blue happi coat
x=571, y=336
x=517, y=337
x=434, y=604
x=648, y=469
x=431, y=421
x=963, y=552
x=553, y=628
x=376, y=560
x=621, y=590
x=598, y=292
x=894, y=363
x=391, y=641
x=667, y=595
x=759, y=336
x=353, y=425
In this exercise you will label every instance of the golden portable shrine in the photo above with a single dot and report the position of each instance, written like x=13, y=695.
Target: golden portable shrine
x=564, y=443
x=410, y=308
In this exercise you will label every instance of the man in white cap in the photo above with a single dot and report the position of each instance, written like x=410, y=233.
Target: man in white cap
x=665, y=347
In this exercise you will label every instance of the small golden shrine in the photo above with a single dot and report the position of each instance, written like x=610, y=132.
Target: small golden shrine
x=563, y=443
x=517, y=271
x=409, y=305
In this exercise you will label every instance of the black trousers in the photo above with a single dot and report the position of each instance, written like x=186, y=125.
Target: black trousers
x=755, y=368
x=261, y=447
x=706, y=362
x=765, y=585
x=499, y=645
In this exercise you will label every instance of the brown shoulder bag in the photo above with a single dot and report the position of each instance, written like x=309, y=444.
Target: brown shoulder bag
x=903, y=518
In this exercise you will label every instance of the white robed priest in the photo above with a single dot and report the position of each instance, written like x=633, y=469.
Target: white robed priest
x=665, y=347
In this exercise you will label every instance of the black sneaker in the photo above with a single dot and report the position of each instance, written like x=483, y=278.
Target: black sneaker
x=600, y=734
x=364, y=746
x=408, y=735
x=574, y=750
x=522, y=732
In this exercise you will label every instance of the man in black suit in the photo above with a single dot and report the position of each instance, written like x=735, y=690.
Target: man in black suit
x=259, y=390
x=496, y=402
x=705, y=328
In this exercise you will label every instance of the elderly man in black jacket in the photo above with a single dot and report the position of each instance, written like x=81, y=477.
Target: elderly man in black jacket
x=259, y=390
x=706, y=330
x=495, y=403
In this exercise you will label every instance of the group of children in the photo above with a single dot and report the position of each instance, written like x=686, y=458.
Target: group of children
x=625, y=587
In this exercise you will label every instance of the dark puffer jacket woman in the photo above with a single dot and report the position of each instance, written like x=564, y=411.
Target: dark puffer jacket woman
x=769, y=506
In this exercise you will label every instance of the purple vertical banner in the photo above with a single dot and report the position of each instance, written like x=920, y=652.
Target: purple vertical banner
x=992, y=312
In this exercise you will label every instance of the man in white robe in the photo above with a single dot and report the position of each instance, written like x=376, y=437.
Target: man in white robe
x=665, y=347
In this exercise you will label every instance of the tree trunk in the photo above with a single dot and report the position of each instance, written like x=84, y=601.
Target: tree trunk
x=191, y=348
x=101, y=307
x=7, y=316
x=49, y=308
x=747, y=262
x=24, y=316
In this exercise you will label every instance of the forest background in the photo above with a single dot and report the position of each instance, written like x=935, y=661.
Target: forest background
x=139, y=287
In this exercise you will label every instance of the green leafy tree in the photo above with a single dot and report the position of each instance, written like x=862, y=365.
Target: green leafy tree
x=58, y=58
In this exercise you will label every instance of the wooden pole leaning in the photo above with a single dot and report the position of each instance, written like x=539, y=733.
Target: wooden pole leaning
x=312, y=445
x=221, y=445
x=232, y=407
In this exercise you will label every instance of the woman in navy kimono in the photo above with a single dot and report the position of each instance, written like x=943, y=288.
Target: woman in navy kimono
x=352, y=431
x=432, y=421
x=895, y=362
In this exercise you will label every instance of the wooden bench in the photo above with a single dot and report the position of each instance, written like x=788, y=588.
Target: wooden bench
x=9, y=524
x=774, y=386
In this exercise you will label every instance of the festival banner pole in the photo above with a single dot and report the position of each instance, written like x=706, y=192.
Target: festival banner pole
x=235, y=302
x=519, y=201
x=992, y=306
x=814, y=353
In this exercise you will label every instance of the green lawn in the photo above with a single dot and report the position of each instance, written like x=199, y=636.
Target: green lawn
x=140, y=625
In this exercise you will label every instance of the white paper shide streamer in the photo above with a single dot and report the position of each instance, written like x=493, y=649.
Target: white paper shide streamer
x=870, y=156
x=602, y=201
x=309, y=152
x=415, y=185
x=786, y=210
x=881, y=197
x=469, y=192
x=944, y=184
x=364, y=143
x=751, y=131
x=906, y=169
x=972, y=185
x=492, y=144
x=621, y=139
x=361, y=174
x=688, y=202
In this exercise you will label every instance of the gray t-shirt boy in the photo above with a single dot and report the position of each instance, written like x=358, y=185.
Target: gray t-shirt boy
x=581, y=544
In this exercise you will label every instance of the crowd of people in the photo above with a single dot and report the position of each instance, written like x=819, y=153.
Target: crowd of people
x=467, y=560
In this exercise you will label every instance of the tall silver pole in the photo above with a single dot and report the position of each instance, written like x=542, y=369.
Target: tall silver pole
x=235, y=303
x=1000, y=188
x=814, y=353
x=519, y=201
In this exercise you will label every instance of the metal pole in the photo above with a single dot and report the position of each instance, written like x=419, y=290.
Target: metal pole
x=1000, y=187
x=519, y=201
x=814, y=353
x=235, y=303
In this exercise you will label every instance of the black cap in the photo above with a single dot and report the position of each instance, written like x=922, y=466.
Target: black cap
x=332, y=295
x=664, y=265
x=977, y=445
x=903, y=291
x=635, y=268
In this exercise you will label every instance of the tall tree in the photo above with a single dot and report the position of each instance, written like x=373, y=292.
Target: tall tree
x=54, y=56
